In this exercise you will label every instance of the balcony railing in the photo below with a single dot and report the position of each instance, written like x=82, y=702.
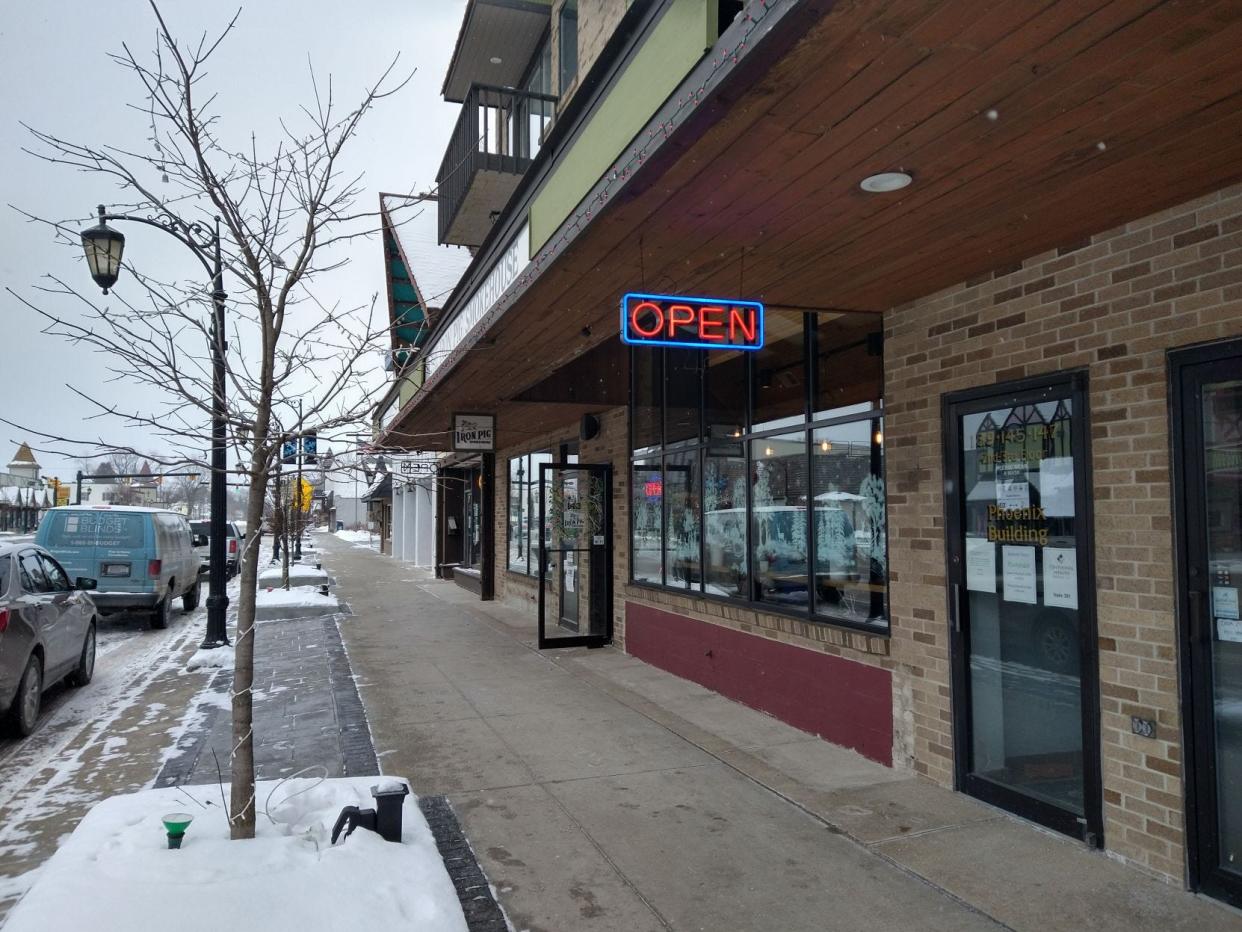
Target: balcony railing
x=496, y=137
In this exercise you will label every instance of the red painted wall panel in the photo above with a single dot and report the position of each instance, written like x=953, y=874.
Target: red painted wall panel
x=842, y=701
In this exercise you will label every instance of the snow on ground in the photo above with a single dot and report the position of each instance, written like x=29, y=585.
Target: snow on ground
x=365, y=538
x=301, y=596
x=217, y=658
x=115, y=873
x=272, y=575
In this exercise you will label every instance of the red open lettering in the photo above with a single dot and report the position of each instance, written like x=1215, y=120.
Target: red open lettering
x=656, y=310
x=711, y=324
x=678, y=316
x=742, y=319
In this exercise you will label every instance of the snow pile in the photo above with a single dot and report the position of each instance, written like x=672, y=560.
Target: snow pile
x=115, y=873
x=301, y=596
x=271, y=577
x=356, y=537
x=217, y=658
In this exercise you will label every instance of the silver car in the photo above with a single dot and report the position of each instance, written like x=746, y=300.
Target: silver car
x=47, y=631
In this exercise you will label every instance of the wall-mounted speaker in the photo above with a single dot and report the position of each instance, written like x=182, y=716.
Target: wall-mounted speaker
x=589, y=428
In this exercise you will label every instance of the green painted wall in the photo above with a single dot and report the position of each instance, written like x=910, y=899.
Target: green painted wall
x=676, y=44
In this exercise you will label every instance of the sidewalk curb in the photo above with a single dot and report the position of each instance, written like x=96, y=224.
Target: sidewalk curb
x=478, y=902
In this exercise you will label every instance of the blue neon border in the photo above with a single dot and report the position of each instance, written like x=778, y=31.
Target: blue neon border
x=685, y=297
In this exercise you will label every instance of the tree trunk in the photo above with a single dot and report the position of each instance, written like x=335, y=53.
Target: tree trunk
x=242, y=804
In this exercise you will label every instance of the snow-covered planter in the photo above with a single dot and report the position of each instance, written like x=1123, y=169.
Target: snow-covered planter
x=116, y=873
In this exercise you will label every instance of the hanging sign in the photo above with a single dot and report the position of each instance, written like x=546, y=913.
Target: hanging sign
x=699, y=323
x=474, y=432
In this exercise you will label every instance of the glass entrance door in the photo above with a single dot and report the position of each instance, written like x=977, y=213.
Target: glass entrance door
x=1208, y=464
x=1019, y=571
x=575, y=550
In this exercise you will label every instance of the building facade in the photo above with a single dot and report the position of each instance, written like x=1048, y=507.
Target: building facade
x=965, y=494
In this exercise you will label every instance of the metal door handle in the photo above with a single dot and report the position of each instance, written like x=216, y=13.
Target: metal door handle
x=1199, y=632
x=957, y=607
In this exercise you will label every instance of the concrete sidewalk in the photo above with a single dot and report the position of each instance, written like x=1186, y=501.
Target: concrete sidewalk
x=602, y=793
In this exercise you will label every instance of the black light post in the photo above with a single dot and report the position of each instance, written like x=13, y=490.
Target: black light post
x=104, y=247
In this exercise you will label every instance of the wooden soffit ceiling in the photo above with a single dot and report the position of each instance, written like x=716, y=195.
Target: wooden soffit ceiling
x=1026, y=126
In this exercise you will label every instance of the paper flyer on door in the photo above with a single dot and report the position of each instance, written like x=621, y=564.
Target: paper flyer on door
x=1061, y=577
x=980, y=565
x=1018, y=565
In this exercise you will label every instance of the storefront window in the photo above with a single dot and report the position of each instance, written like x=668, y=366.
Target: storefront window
x=681, y=529
x=646, y=410
x=790, y=511
x=519, y=514
x=681, y=389
x=647, y=508
x=850, y=541
x=780, y=380
x=724, y=513
x=849, y=363
x=725, y=394
x=778, y=519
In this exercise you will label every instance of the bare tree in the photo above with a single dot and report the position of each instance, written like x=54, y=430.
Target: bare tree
x=285, y=213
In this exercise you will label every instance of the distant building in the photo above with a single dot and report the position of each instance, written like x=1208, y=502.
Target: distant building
x=22, y=495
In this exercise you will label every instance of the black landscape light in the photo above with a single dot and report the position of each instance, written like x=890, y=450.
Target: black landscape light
x=103, y=247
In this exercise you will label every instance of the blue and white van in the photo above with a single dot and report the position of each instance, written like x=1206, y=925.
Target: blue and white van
x=142, y=557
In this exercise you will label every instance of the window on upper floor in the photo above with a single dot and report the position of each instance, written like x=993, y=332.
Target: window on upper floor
x=567, y=45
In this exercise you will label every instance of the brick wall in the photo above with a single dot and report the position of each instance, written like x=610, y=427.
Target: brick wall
x=597, y=20
x=1112, y=305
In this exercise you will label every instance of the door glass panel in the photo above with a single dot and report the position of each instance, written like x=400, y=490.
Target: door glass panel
x=1021, y=600
x=1222, y=435
x=574, y=586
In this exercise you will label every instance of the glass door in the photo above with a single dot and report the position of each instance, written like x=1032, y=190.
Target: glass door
x=1019, y=571
x=1208, y=464
x=575, y=549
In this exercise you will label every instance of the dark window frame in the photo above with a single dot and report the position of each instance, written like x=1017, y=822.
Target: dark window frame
x=700, y=446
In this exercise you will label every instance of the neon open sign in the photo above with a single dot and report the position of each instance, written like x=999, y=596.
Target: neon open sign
x=701, y=323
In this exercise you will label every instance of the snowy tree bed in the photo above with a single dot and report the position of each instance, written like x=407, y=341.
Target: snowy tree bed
x=115, y=873
x=308, y=596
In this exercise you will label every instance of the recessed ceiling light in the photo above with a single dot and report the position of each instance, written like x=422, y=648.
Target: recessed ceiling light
x=495, y=60
x=885, y=182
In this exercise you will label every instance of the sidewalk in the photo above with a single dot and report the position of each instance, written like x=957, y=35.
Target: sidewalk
x=601, y=793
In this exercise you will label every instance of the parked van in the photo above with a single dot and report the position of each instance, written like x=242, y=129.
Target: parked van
x=142, y=557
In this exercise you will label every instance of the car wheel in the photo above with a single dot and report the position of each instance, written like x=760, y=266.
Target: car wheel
x=25, y=710
x=1056, y=642
x=86, y=663
x=189, y=601
x=159, y=617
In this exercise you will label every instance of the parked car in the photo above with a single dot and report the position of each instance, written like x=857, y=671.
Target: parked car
x=142, y=557
x=234, y=536
x=47, y=631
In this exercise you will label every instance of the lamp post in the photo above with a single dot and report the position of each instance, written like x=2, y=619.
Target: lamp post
x=104, y=246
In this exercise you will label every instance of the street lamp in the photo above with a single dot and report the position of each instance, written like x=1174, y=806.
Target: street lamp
x=104, y=247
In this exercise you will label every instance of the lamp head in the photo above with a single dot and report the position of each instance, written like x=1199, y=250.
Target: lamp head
x=103, y=247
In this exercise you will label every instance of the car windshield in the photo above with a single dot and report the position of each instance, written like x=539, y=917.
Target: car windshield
x=94, y=529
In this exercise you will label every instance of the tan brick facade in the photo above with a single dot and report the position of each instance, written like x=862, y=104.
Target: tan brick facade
x=1112, y=306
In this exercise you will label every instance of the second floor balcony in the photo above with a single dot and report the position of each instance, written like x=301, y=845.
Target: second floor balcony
x=496, y=137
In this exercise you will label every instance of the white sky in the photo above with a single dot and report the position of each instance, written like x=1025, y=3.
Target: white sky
x=57, y=76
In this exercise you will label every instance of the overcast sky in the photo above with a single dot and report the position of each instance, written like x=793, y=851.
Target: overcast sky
x=57, y=76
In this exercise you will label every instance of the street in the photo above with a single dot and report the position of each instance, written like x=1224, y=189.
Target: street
x=108, y=737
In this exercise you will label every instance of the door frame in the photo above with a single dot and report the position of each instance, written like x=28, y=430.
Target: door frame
x=576, y=640
x=1090, y=827
x=1194, y=625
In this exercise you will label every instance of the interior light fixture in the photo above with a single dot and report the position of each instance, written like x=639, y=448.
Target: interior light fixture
x=879, y=437
x=885, y=182
x=767, y=451
x=825, y=446
x=495, y=59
